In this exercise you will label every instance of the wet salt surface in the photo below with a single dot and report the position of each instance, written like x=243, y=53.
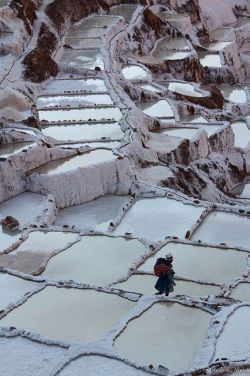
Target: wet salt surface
x=233, y=95
x=155, y=174
x=80, y=312
x=185, y=89
x=12, y=289
x=168, y=334
x=157, y=108
x=83, y=132
x=195, y=119
x=241, y=133
x=87, y=59
x=70, y=163
x=169, y=43
x=171, y=55
x=212, y=264
x=95, y=260
x=73, y=100
x=85, y=32
x=95, y=21
x=234, y=341
x=210, y=60
x=83, y=114
x=144, y=284
x=93, y=145
x=102, y=366
x=7, y=239
x=219, y=227
x=76, y=85
x=210, y=129
x=97, y=213
x=188, y=133
x=29, y=356
x=83, y=43
x=242, y=191
x=134, y=72
x=138, y=220
x=241, y=292
x=218, y=46
x=152, y=88
x=11, y=149
x=125, y=11
x=25, y=207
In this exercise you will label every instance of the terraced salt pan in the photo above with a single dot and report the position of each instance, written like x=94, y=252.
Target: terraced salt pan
x=13, y=288
x=97, y=21
x=84, y=131
x=25, y=207
x=93, y=145
x=229, y=228
x=152, y=88
x=144, y=284
x=170, y=218
x=155, y=174
x=211, y=264
x=234, y=341
x=85, y=32
x=95, y=214
x=211, y=61
x=11, y=149
x=102, y=366
x=83, y=43
x=76, y=85
x=210, y=129
x=156, y=108
x=185, y=89
x=195, y=119
x=241, y=292
x=169, y=43
x=71, y=315
x=168, y=334
x=7, y=239
x=83, y=114
x=95, y=260
x=242, y=191
x=73, y=100
x=188, y=133
x=173, y=55
x=71, y=163
x=134, y=72
x=233, y=95
x=241, y=133
x=125, y=11
x=218, y=46
x=87, y=59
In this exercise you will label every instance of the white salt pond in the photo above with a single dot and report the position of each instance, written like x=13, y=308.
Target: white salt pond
x=168, y=334
x=211, y=264
x=156, y=108
x=70, y=315
x=95, y=260
x=95, y=214
x=10, y=149
x=155, y=174
x=134, y=72
x=218, y=46
x=86, y=131
x=76, y=85
x=7, y=239
x=125, y=11
x=83, y=31
x=92, y=145
x=25, y=207
x=185, y=89
x=195, y=119
x=80, y=161
x=13, y=289
x=241, y=292
x=241, y=133
x=188, y=133
x=73, y=100
x=83, y=114
x=173, y=55
x=149, y=87
x=219, y=227
x=234, y=340
x=87, y=59
x=234, y=95
x=102, y=366
x=96, y=21
x=210, y=129
x=144, y=284
x=211, y=61
x=77, y=43
x=169, y=43
x=138, y=220
x=242, y=191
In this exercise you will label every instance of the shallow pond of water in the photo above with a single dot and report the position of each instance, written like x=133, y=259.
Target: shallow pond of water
x=10, y=149
x=155, y=174
x=149, y=87
x=210, y=129
x=211, y=61
x=185, y=89
x=138, y=220
x=95, y=260
x=76, y=85
x=173, y=55
x=92, y=145
x=125, y=11
x=229, y=228
x=78, y=43
x=169, y=43
x=241, y=134
x=156, y=108
x=218, y=46
x=134, y=72
x=168, y=334
x=211, y=264
x=188, y=133
x=7, y=239
x=73, y=100
x=233, y=94
x=71, y=315
x=242, y=191
x=80, y=161
x=241, y=292
x=86, y=59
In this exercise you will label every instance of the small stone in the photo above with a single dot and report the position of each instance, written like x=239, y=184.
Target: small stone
x=10, y=223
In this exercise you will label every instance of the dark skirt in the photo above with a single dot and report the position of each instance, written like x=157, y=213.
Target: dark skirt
x=165, y=284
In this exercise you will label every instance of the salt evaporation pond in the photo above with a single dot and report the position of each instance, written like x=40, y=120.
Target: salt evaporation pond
x=11, y=149
x=73, y=100
x=134, y=72
x=195, y=119
x=188, y=133
x=144, y=284
x=103, y=366
x=185, y=89
x=76, y=85
x=92, y=145
x=7, y=239
x=241, y=133
x=95, y=260
x=169, y=43
x=156, y=108
x=241, y=292
x=152, y=88
x=138, y=220
x=86, y=59
x=210, y=129
x=233, y=95
x=13, y=289
x=95, y=214
x=172, y=55
x=234, y=340
x=71, y=315
x=168, y=334
x=242, y=191
x=77, y=43
x=210, y=60
x=125, y=11
x=219, y=227
x=70, y=163
x=211, y=264
x=155, y=174
x=86, y=32
x=218, y=46
x=86, y=131
x=25, y=207
x=83, y=114
x=96, y=21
